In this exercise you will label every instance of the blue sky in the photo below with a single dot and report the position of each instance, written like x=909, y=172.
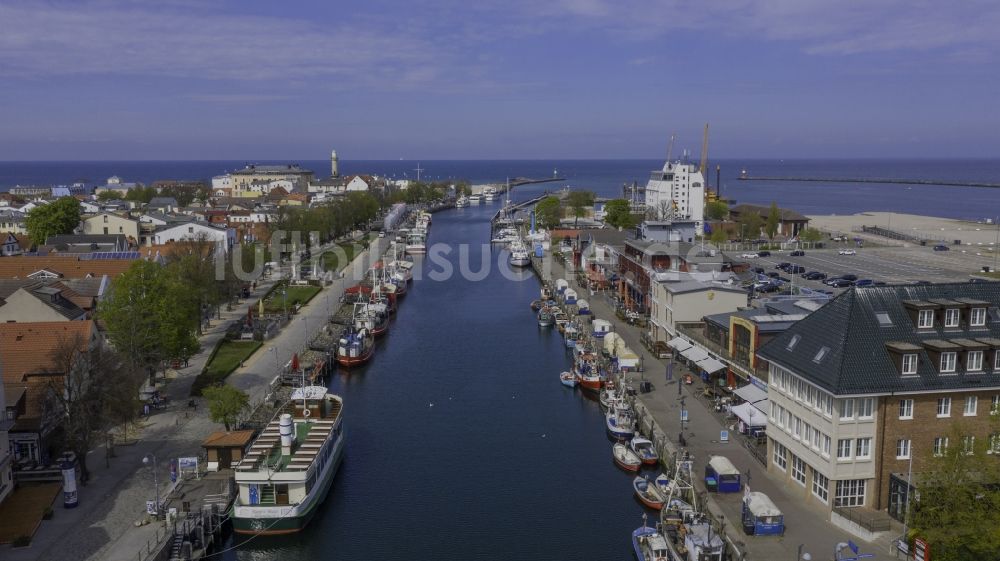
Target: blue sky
x=454, y=79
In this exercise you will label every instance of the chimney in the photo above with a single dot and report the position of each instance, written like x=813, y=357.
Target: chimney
x=287, y=431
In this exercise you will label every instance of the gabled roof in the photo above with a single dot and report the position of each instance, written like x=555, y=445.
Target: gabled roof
x=28, y=348
x=855, y=328
x=223, y=439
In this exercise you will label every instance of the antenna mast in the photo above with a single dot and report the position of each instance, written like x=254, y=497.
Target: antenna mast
x=670, y=147
x=704, y=151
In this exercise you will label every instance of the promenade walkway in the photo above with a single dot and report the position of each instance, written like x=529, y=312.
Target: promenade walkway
x=806, y=524
x=103, y=526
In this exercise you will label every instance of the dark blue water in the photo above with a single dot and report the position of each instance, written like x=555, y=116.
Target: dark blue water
x=506, y=464
x=607, y=176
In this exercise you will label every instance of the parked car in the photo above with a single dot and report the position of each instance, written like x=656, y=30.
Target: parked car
x=847, y=252
x=759, y=270
x=795, y=269
x=814, y=275
x=381, y=233
x=774, y=274
x=921, y=282
x=839, y=238
x=840, y=283
x=940, y=247
x=797, y=253
x=864, y=282
x=782, y=265
x=749, y=256
x=764, y=253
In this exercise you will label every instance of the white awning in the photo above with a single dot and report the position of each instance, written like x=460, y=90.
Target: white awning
x=678, y=343
x=751, y=393
x=750, y=415
x=711, y=365
x=694, y=354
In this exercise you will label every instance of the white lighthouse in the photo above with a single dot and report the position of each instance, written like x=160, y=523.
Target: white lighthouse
x=334, y=172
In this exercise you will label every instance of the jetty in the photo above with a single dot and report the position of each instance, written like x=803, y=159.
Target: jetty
x=943, y=182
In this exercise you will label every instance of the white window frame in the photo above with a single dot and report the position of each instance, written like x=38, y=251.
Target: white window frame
x=974, y=361
x=971, y=405
x=847, y=409
x=949, y=362
x=822, y=483
x=909, y=364
x=925, y=319
x=828, y=406
x=952, y=317
x=996, y=360
x=808, y=436
x=799, y=470
x=816, y=439
x=943, y=407
x=866, y=408
x=863, y=448
x=994, y=444
x=850, y=492
x=905, y=409
x=903, y=449
x=780, y=456
x=995, y=404
x=827, y=444
x=797, y=430
x=977, y=317
x=940, y=445
x=845, y=444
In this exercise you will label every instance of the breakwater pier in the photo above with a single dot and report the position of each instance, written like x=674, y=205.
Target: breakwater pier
x=944, y=182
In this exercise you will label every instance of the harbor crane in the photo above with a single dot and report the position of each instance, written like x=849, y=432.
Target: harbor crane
x=704, y=152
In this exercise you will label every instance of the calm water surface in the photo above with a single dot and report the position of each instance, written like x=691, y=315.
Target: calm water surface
x=462, y=444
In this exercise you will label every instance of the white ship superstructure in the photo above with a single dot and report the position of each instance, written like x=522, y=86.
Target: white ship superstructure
x=677, y=192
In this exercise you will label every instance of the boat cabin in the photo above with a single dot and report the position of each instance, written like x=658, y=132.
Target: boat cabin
x=722, y=476
x=761, y=517
x=703, y=543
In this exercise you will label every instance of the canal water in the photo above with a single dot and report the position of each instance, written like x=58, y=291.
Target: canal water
x=462, y=443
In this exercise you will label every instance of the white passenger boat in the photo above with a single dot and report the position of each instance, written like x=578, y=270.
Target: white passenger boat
x=474, y=200
x=416, y=242
x=289, y=468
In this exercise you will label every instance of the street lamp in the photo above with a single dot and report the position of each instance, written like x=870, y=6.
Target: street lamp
x=156, y=483
x=803, y=556
x=284, y=300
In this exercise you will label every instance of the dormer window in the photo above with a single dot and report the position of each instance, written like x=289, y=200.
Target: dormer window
x=909, y=364
x=977, y=317
x=951, y=316
x=948, y=361
x=925, y=319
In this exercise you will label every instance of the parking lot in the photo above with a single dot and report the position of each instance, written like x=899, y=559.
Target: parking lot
x=893, y=265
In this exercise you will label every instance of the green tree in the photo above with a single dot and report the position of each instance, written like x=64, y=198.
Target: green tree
x=108, y=195
x=811, y=235
x=718, y=236
x=140, y=194
x=957, y=508
x=225, y=404
x=548, y=212
x=578, y=202
x=773, y=220
x=750, y=224
x=59, y=217
x=139, y=315
x=618, y=214
x=716, y=210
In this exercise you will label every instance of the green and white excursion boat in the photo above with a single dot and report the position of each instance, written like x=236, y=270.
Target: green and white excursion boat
x=289, y=469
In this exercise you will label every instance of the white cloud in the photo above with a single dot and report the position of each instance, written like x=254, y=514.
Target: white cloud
x=184, y=41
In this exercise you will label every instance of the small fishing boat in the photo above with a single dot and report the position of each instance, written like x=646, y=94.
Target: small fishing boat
x=519, y=256
x=568, y=379
x=648, y=492
x=649, y=544
x=620, y=424
x=664, y=484
x=560, y=318
x=644, y=448
x=625, y=458
x=570, y=335
x=545, y=317
x=355, y=347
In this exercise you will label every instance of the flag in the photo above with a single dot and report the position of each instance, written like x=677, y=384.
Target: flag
x=708, y=228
